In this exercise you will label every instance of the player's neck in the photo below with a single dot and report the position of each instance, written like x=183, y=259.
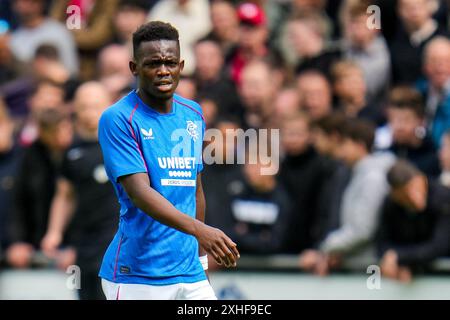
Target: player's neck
x=159, y=105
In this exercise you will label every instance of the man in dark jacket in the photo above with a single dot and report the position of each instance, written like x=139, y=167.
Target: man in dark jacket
x=415, y=223
x=35, y=186
x=302, y=174
x=406, y=112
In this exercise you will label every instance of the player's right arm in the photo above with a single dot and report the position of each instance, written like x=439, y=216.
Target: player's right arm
x=150, y=201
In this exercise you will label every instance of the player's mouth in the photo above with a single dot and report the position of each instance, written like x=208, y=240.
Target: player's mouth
x=164, y=86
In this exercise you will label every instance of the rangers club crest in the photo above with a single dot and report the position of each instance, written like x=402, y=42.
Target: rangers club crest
x=192, y=130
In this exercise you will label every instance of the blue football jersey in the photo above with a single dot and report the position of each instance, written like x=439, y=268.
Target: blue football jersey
x=168, y=147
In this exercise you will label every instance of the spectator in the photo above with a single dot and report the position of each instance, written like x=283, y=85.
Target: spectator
x=415, y=224
x=287, y=103
x=46, y=95
x=253, y=35
x=410, y=140
x=82, y=183
x=191, y=18
x=417, y=28
x=10, y=68
x=257, y=92
x=35, y=187
x=211, y=79
x=96, y=29
x=36, y=29
x=327, y=138
x=436, y=87
x=114, y=72
x=369, y=50
x=261, y=212
x=187, y=87
x=221, y=180
x=300, y=163
x=315, y=92
x=210, y=111
x=129, y=16
x=225, y=26
x=350, y=90
x=305, y=43
x=46, y=66
x=444, y=157
x=361, y=202
x=10, y=156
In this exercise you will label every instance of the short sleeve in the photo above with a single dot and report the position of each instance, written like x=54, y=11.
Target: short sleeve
x=121, y=152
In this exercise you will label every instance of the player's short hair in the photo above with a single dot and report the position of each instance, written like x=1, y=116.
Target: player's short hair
x=154, y=31
x=401, y=173
x=405, y=97
x=361, y=131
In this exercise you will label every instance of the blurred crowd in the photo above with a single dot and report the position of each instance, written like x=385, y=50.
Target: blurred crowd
x=363, y=111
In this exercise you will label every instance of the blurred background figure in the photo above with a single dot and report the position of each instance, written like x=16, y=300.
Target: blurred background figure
x=435, y=88
x=368, y=49
x=260, y=210
x=410, y=140
x=306, y=44
x=253, y=37
x=10, y=157
x=212, y=79
x=191, y=18
x=300, y=163
x=225, y=26
x=361, y=201
x=316, y=94
x=417, y=27
x=257, y=92
x=444, y=158
x=350, y=91
x=35, y=187
x=415, y=223
x=113, y=70
x=84, y=201
x=95, y=30
x=128, y=17
x=35, y=28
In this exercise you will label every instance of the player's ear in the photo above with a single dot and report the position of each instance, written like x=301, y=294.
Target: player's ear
x=181, y=65
x=133, y=67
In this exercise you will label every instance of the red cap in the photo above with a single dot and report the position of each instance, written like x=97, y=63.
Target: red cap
x=252, y=14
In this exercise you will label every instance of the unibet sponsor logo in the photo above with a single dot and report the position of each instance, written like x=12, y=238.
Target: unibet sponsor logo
x=176, y=163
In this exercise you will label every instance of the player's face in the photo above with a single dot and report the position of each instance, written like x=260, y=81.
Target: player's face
x=158, y=67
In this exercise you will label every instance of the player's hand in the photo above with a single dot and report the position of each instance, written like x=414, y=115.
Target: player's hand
x=50, y=243
x=218, y=245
